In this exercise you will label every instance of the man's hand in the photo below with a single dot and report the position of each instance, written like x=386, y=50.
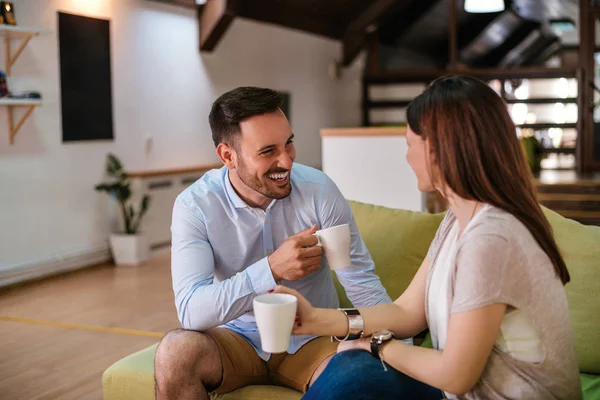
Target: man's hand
x=297, y=256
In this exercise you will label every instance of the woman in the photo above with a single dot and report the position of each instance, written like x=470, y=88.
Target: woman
x=491, y=289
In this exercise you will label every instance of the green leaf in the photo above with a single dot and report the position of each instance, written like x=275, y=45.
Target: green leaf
x=145, y=203
x=113, y=166
x=123, y=192
x=143, y=208
x=126, y=219
x=120, y=190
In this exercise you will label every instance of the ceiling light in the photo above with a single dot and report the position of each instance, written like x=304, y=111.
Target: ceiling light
x=484, y=6
x=200, y=2
x=562, y=25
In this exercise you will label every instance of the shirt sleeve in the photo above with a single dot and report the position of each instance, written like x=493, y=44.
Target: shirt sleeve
x=202, y=304
x=362, y=286
x=485, y=272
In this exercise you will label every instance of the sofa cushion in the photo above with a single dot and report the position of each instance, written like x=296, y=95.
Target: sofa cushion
x=590, y=385
x=260, y=392
x=580, y=248
x=133, y=378
x=398, y=241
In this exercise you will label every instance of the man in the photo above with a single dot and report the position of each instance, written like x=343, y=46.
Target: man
x=237, y=233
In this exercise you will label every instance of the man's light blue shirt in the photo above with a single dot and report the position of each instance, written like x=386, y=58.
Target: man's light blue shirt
x=220, y=247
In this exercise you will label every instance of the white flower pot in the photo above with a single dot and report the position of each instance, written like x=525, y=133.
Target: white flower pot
x=129, y=249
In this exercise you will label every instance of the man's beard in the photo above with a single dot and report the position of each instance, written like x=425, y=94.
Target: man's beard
x=263, y=186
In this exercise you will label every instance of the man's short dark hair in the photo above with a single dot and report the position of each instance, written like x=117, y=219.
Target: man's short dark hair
x=237, y=105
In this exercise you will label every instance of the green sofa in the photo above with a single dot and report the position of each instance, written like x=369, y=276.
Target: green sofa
x=398, y=241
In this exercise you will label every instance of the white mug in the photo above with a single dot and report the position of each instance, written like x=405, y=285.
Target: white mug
x=336, y=245
x=275, y=314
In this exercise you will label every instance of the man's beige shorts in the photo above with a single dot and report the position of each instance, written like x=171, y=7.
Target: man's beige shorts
x=242, y=366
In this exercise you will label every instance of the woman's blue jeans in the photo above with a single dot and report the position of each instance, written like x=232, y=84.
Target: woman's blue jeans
x=356, y=374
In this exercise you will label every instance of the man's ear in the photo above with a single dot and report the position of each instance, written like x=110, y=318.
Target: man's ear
x=226, y=154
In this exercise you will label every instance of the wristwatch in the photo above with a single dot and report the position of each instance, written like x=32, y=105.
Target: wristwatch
x=356, y=325
x=377, y=341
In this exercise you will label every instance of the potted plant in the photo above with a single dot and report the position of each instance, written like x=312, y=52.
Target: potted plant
x=129, y=247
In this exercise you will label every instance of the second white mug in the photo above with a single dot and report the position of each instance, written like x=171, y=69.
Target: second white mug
x=275, y=314
x=336, y=245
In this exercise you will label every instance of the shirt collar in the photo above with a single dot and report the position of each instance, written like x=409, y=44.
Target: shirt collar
x=232, y=194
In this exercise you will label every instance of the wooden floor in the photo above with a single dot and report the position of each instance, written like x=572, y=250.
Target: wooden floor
x=58, y=335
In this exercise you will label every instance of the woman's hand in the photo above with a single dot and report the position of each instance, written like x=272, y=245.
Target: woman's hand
x=306, y=314
x=361, y=344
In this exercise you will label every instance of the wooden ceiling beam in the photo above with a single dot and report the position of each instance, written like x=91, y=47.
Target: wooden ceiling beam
x=536, y=48
x=496, y=54
x=356, y=33
x=550, y=49
x=400, y=23
x=289, y=15
x=214, y=19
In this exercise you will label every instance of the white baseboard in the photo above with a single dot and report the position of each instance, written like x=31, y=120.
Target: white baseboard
x=54, y=265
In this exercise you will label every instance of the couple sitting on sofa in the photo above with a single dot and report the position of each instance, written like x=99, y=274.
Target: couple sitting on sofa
x=490, y=291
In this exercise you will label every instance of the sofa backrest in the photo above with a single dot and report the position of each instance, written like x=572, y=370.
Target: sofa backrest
x=398, y=241
x=580, y=247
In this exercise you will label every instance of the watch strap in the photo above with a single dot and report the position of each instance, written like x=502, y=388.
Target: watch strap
x=378, y=339
x=375, y=348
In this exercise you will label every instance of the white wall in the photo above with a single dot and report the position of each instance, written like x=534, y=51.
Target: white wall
x=372, y=169
x=162, y=88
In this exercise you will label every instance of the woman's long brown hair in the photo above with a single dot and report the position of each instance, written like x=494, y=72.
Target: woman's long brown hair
x=473, y=141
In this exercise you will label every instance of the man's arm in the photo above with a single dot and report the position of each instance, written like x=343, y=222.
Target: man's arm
x=202, y=304
x=362, y=286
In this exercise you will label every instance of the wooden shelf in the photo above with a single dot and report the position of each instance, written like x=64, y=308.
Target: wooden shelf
x=17, y=33
x=22, y=35
x=4, y=101
x=11, y=104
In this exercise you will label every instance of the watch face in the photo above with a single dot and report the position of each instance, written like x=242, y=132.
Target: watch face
x=383, y=335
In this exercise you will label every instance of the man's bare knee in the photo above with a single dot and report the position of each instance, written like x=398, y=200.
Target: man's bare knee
x=187, y=358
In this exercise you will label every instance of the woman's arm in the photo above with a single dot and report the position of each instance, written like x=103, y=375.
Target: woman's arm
x=481, y=290
x=405, y=317
x=456, y=369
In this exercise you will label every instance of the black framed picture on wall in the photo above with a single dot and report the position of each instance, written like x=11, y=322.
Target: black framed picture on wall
x=85, y=78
